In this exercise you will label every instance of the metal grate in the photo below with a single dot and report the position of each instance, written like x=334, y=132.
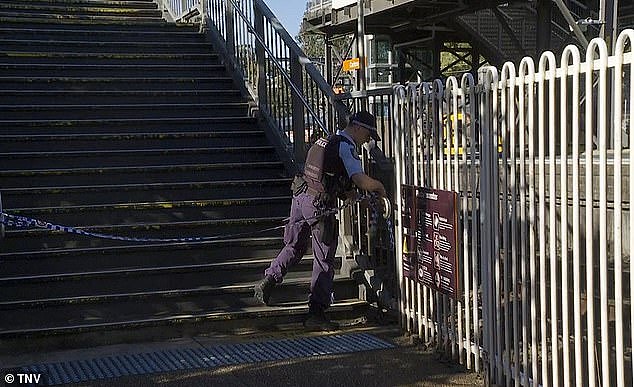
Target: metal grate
x=199, y=357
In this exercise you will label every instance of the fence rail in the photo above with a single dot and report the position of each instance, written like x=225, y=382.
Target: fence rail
x=539, y=155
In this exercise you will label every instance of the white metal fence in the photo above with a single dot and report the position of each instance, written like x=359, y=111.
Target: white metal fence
x=539, y=155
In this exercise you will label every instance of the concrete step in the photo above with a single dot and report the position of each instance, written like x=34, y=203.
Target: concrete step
x=70, y=112
x=207, y=124
x=174, y=34
x=101, y=253
x=100, y=287
x=102, y=71
x=21, y=97
x=135, y=157
x=122, y=212
x=28, y=240
x=119, y=83
x=165, y=173
x=88, y=3
x=63, y=18
x=38, y=23
x=96, y=46
x=129, y=59
x=248, y=316
x=145, y=192
x=120, y=141
x=86, y=9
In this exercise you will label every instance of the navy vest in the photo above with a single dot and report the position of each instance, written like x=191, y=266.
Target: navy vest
x=324, y=171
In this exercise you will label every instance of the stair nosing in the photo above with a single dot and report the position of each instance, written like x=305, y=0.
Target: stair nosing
x=295, y=309
x=64, y=122
x=127, y=248
x=155, y=204
x=24, y=54
x=131, y=271
x=127, y=106
x=77, y=153
x=240, y=288
x=146, y=186
x=128, y=135
x=135, y=168
x=119, y=92
x=114, y=79
x=110, y=66
x=106, y=43
x=80, y=31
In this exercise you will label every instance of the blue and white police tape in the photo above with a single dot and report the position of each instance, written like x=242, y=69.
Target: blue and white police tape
x=23, y=222
x=30, y=223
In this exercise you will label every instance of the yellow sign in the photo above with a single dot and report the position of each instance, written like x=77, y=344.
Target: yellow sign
x=351, y=64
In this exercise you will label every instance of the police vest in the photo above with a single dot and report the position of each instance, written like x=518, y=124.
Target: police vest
x=324, y=171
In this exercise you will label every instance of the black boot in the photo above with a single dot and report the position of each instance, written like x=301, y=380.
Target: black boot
x=318, y=321
x=263, y=289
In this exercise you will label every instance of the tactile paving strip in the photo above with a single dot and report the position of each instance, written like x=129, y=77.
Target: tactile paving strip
x=200, y=357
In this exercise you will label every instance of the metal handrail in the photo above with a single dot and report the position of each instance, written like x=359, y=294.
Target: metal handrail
x=181, y=9
x=292, y=95
x=277, y=64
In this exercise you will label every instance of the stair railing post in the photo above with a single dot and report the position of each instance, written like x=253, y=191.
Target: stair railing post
x=260, y=56
x=229, y=21
x=203, y=7
x=1, y=219
x=299, y=141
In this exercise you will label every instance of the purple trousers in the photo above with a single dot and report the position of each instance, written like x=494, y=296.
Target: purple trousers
x=297, y=233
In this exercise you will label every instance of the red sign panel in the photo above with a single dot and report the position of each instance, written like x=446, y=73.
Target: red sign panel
x=430, y=237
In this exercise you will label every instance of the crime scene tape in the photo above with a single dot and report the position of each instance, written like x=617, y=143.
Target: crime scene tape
x=23, y=222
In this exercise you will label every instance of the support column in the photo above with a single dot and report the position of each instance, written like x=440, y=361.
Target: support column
x=475, y=61
x=362, y=75
x=260, y=56
x=438, y=47
x=401, y=67
x=299, y=141
x=231, y=48
x=329, y=78
x=608, y=13
x=544, y=25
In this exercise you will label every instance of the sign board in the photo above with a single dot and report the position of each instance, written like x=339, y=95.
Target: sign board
x=338, y=4
x=351, y=64
x=430, y=238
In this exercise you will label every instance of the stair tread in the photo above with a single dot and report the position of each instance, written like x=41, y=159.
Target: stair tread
x=108, y=66
x=136, y=247
x=25, y=54
x=244, y=313
x=126, y=136
x=138, y=151
x=63, y=122
x=125, y=106
x=293, y=280
x=132, y=169
x=144, y=186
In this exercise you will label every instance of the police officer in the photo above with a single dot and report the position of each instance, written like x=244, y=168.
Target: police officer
x=332, y=169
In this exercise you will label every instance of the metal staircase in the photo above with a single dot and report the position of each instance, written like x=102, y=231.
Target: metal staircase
x=508, y=32
x=118, y=122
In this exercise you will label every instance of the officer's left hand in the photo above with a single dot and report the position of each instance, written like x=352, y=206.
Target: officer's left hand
x=351, y=196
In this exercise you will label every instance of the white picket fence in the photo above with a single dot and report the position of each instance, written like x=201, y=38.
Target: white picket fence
x=539, y=156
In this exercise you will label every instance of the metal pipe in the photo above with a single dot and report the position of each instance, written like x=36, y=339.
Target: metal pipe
x=572, y=23
x=361, y=50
